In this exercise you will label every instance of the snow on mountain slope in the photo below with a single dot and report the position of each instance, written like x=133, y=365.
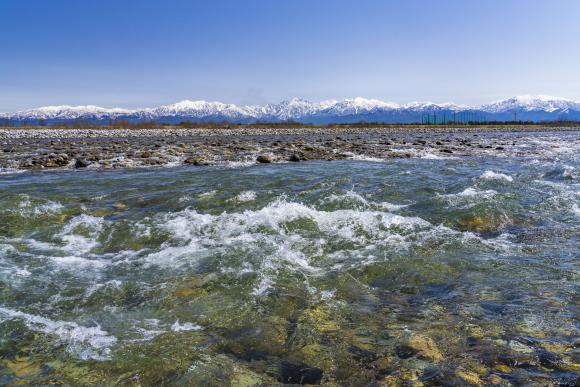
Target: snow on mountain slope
x=292, y=109
x=359, y=105
x=199, y=109
x=539, y=107
x=66, y=112
x=543, y=103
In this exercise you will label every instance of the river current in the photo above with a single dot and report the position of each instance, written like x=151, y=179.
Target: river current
x=456, y=271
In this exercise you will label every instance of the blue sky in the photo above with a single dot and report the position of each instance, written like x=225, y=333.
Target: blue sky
x=136, y=53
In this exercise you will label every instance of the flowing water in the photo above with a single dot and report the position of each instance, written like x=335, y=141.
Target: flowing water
x=435, y=271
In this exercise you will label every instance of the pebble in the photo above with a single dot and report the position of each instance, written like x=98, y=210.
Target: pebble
x=124, y=148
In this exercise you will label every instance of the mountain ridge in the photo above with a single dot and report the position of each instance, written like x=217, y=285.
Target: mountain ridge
x=525, y=107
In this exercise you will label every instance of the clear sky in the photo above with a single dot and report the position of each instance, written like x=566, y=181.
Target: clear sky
x=135, y=53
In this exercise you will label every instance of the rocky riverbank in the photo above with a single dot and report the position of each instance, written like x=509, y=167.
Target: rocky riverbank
x=33, y=149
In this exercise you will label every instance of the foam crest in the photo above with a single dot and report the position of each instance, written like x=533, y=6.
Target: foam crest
x=562, y=196
x=360, y=157
x=294, y=237
x=10, y=170
x=178, y=327
x=422, y=154
x=191, y=225
x=352, y=197
x=469, y=197
x=491, y=175
x=27, y=208
x=72, y=233
x=246, y=196
x=8, y=269
x=570, y=173
x=84, y=342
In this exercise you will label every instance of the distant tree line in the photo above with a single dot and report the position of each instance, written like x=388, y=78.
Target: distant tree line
x=149, y=124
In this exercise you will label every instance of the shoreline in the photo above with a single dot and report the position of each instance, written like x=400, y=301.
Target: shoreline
x=41, y=132
x=39, y=149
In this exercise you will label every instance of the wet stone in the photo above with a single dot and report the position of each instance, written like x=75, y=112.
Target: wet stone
x=264, y=159
x=425, y=346
x=294, y=158
x=405, y=351
x=551, y=360
x=197, y=161
x=299, y=374
x=82, y=163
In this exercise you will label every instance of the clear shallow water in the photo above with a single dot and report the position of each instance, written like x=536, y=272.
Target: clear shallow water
x=458, y=271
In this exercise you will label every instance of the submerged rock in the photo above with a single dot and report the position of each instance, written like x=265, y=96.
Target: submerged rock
x=426, y=347
x=470, y=377
x=22, y=367
x=405, y=351
x=299, y=374
x=320, y=319
x=120, y=206
x=482, y=224
x=318, y=356
x=190, y=289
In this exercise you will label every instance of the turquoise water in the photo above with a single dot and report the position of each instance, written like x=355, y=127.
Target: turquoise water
x=447, y=271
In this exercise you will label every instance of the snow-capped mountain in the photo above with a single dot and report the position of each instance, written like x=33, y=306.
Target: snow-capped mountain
x=530, y=103
x=197, y=109
x=527, y=108
x=65, y=112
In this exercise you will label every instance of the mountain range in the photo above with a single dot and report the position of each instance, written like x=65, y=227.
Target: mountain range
x=536, y=108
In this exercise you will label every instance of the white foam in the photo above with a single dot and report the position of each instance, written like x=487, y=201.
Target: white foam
x=116, y=284
x=327, y=294
x=197, y=233
x=263, y=285
x=246, y=196
x=76, y=261
x=84, y=342
x=491, y=175
x=469, y=197
x=238, y=164
x=352, y=196
x=469, y=192
x=9, y=269
x=47, y=208
x=576, y=209
x=562, y=196
x=21, y=272
x=10, y=171
x=6, y=249
x=26, y=208
x=360, y=157
x=177, y=327
x=151, y=329
x=80, y=244
x=570, y=172
x=423, y=154
x=208, y=194
x=368, y=235
x=432, y=156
